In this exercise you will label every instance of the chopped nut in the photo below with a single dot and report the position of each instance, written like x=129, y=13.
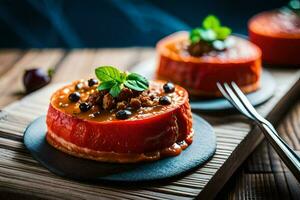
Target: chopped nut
x=199, y=48
x=121, y=105
x=125, y=94
x=96, y=98
x=155, y=101
x=152, y=96
x=144, y=98
x=147, y=103
x=135, y=103
x=136, y=93
x=108, y=102
x=93, y=98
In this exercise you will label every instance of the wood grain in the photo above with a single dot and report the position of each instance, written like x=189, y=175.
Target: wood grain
x=7, y=58
x=236, y=138
x=11, y=87
x=264, y=175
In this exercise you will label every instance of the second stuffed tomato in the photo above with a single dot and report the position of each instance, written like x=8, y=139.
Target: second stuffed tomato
x=198, y=64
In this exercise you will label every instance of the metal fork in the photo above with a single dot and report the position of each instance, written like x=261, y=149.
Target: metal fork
x=237, y=98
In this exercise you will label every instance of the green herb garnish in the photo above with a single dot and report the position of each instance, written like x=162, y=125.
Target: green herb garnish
x=114, y=80
x=210, y=31
x=294, y=6
x=50, y=72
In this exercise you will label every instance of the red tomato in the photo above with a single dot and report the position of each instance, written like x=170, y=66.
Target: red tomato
x=145, y=135
x=240, y=63
x=278, y=35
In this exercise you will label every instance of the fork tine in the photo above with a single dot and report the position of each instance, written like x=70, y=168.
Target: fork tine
x=224, y=90
x=287, y=154
x=225, y=94
x=244, y=100
x=237, y=103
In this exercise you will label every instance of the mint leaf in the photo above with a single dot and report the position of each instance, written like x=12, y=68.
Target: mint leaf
x=135, y=85
x=115, y=90
x=106, y=85
x=123, y=77
x=223, y=32
x=292, y=7
x=114, y=80
x=210, y=31
x=108, y=73
x=211, y=22
x=208, y=35
x=138, y=78
x=136, y=82
x=142, y=85
x=195, y=35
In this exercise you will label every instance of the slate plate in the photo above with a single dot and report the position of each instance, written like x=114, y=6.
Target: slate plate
x=268, y=85
x=202, y=148
x=256, y=98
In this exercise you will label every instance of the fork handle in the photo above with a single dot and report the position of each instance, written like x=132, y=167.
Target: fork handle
x=286, y=153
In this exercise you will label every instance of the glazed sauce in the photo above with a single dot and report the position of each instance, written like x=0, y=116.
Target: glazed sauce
x=61, y=102
x=239, y=49
x=276, y=23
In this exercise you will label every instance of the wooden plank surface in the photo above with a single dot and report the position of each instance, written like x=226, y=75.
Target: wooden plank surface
x=11, y=87
x=21, y=174
x=7, y=58
x=264, y=175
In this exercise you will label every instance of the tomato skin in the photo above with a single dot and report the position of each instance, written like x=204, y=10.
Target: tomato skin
x=140, y=136
x=277, y=51
x=199, y=76
x=278, y=48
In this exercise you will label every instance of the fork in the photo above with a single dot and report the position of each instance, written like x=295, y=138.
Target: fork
x=238, y=100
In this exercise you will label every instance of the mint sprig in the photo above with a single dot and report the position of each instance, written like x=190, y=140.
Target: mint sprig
x=210, y=31
x=293, y=6
x=115, y=80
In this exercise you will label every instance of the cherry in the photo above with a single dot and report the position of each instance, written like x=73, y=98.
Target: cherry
x=35, y=78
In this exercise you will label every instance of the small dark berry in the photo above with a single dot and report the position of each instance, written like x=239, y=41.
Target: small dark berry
x=164, y=100
x=123, y=114
x=78, y=86
x=74, y=97
x=92, y=82
x=84, y=107
x=169, y=87
x=34, y=79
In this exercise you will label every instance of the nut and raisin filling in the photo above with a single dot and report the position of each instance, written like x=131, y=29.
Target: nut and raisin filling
x=83, y=100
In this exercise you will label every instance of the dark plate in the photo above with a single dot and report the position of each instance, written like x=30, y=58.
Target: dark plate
x=268, y=86
x=203, y=147
x=258, y=97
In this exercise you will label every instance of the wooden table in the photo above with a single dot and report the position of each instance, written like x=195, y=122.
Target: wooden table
x=262, y=175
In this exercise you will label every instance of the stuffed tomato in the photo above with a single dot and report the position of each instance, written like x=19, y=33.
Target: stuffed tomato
x=277, y=33
x=90, y=121
x=199, y=59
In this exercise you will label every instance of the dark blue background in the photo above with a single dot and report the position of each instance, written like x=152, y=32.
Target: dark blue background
x=112, y=23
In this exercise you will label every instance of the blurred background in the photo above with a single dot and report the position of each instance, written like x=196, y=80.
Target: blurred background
x=114, y=23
